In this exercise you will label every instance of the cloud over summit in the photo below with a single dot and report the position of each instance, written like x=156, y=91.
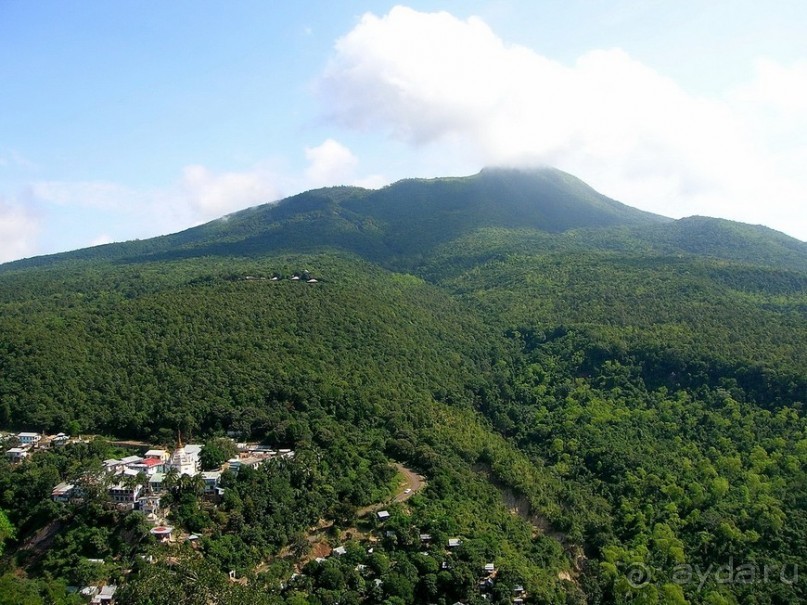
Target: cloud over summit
x=433, y=79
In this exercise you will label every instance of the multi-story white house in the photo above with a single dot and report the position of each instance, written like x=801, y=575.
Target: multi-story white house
x=156, y=482
x=149, y=505
x=16, y=454
x=161, y=454
x=211, y=479
x=121, y=493
x=113, y=465
x=29, y=438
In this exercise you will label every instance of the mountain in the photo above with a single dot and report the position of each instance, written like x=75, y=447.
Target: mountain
x=404, y=221
x=401, y=225
x=590, y=391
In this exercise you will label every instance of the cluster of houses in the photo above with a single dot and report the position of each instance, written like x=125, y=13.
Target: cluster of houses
x=27, y=442
x=305, y=276
x=489, y=572
x=252, y=456
x=136, y=482
x=486, y=582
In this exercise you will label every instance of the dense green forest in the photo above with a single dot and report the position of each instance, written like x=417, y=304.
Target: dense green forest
x=608, y=406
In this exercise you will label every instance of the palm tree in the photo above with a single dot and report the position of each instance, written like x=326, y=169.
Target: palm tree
x=198, y=484
x=170, y=480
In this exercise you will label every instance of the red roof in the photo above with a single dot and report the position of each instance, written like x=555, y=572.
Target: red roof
x=152, y=461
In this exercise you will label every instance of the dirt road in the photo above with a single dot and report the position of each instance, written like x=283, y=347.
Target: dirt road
x=411, y=485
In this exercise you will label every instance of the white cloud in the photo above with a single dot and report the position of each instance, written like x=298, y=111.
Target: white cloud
x=197, y=196
x=19, y=228
x=118, y=213
x=774, y=104
x=403, y=85
x=330, y=163
x=209, y=195
x=102, y=239
x=432, y=79
x=373, y=181
x=781, y=88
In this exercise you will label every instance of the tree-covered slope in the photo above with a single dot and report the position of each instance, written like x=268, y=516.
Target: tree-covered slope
x=589, y=391
x=711, y=238
x=399, y=224
x=665, y=390
x=194, y=344
x=419, y=215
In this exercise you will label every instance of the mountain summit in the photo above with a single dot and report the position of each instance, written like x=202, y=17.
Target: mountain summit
x=403, y=224
x=407, y=218
x=412, y=217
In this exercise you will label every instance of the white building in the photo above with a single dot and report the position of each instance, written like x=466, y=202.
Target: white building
x=161, y=454
x=124, y=494
x=211, y=479
x=148, y=467
x=106, y=595
x=236, y=464
x=63, y=492
x=156, y=482
x=149, y=505
x=185, y=459
x=60, y=439
x=113, y=465
x=129, y=460
x=194, y=450
x=29, y=438
x=16, y=454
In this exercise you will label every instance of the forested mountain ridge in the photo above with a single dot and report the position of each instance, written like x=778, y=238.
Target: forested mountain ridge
x=401, y=225
x=588, y=389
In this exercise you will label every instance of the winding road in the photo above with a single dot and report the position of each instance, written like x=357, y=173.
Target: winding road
x=411, y=485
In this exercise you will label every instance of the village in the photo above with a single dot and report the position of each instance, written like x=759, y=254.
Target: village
x=139, y=482
x=136, y=482
x=298, y=276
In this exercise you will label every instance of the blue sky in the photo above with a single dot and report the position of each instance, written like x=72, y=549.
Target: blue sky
x=131, y=119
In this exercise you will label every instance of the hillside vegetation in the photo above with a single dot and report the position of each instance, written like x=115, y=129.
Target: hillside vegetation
x=592, y=392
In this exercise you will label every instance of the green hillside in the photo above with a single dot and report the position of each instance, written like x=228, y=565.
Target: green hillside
x=590, y=391
x=399, y=224
x=194, y=344
x=711, y=238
